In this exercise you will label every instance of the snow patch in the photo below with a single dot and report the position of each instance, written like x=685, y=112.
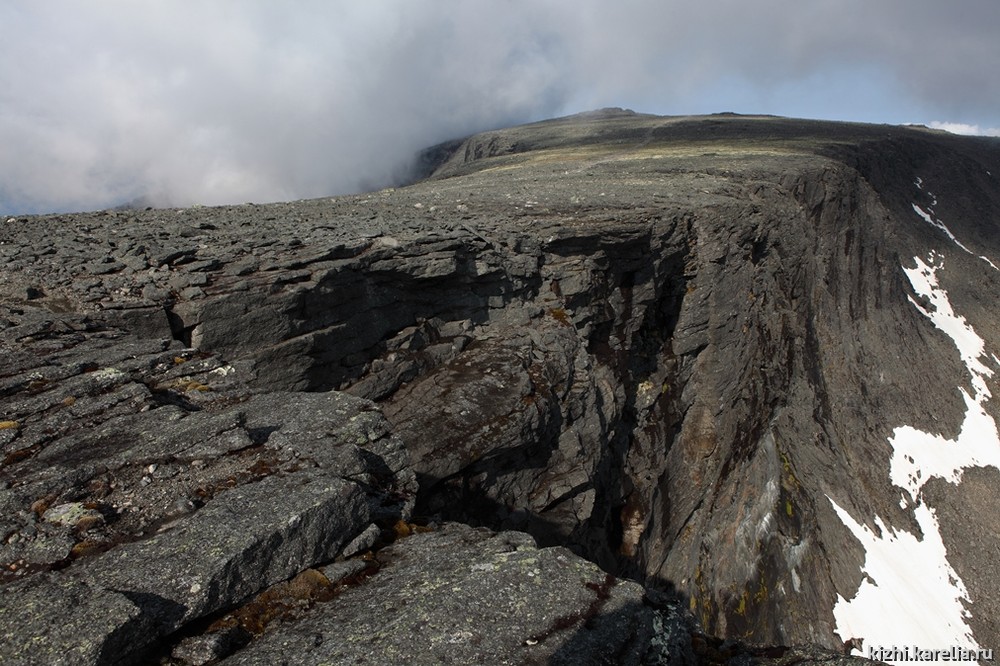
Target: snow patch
x=911, y=595
x=928, y=217
x=923, y=279
x=920, y=456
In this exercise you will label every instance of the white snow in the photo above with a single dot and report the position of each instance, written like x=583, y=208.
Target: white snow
x=911, y=595
x=920, y=456
x=928, y=217
x=924, y=280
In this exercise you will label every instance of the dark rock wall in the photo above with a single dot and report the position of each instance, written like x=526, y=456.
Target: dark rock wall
x=672, y=394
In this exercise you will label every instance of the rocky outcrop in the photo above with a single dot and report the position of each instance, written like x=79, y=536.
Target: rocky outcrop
x=677, y=348
x=437, y=592
x=146, y=488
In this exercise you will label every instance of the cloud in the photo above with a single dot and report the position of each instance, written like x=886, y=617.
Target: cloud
x=235, y=101
x=964, y=128
x=245, y=100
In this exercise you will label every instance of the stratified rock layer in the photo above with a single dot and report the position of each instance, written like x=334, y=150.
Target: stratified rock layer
x=666, y=345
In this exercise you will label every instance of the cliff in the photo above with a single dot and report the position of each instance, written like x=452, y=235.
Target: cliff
x=736, y=367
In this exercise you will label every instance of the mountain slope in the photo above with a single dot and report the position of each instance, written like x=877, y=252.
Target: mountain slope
x=809, y=350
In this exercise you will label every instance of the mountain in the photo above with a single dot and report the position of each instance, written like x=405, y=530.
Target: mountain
x=610, y=388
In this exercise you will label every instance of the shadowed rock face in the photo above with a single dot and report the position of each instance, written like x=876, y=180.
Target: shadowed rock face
x=675, y=347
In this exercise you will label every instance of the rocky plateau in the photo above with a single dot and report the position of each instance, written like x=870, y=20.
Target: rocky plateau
x=607, y=389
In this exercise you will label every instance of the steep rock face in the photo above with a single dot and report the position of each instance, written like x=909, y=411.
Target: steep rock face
x=793, y=357
x=679, y=347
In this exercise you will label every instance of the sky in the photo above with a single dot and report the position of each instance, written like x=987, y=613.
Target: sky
x=185, y=102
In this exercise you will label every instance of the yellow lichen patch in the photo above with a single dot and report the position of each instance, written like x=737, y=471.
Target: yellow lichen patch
x=788, y=507
x=761, y=591
x=87, y=547
x=789, y=476
x=89, y=521
x=40, y=506
x=282, y=600
x=560, y=315
x=741, y=609
x=190, y=385
x=179, y=359
x=9, y=425
x=705, y=594
x=402, y=529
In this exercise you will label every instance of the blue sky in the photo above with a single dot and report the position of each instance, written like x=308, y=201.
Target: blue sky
x=226, y=101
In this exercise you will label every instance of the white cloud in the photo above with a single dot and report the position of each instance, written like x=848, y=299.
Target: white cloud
x=239, y=100
x=963, y=128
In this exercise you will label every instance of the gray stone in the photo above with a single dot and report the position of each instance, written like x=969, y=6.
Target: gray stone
x=57, y=621
x=459, y=595
x=207, y=648
x=70, y=514
x=244, y=540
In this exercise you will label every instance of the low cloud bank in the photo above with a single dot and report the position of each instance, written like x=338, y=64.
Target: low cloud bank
x=963, y=128
x=184, y=102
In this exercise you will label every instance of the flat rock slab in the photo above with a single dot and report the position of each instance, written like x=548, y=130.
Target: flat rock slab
x=460, y=595
x=143, y=486
x=53, y=620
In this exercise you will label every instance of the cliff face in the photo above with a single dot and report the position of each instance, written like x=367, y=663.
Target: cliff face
x=732, y=358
